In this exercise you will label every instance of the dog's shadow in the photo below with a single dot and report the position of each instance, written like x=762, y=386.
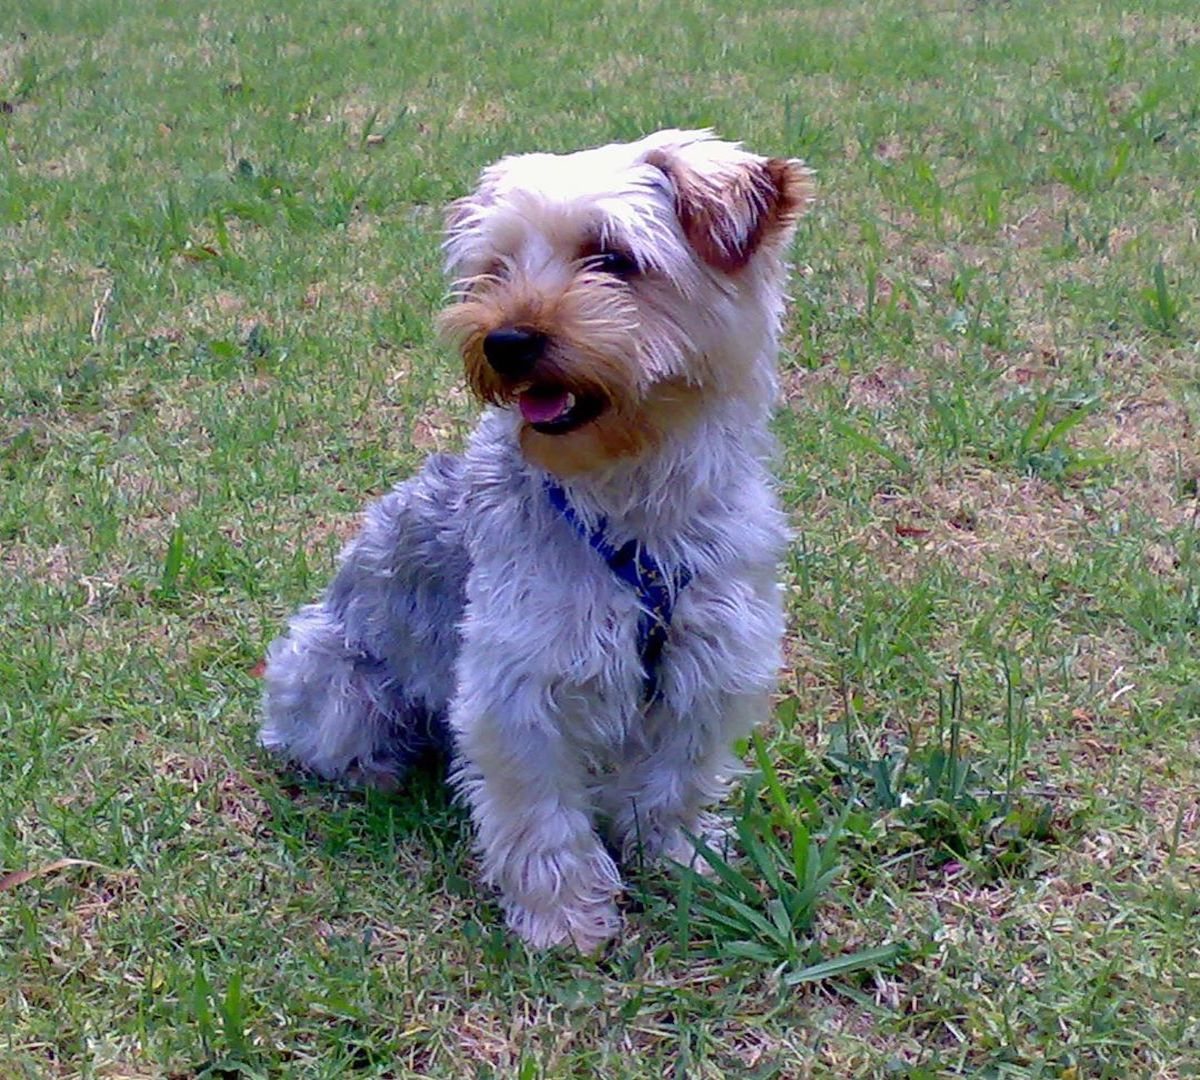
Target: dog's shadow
x=346, y=822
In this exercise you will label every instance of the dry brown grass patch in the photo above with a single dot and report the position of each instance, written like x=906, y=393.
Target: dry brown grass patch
x=979, y=520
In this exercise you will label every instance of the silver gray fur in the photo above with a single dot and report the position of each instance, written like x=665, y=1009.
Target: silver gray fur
x=468, y=604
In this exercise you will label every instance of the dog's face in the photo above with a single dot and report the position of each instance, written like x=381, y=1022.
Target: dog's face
x=607, y=294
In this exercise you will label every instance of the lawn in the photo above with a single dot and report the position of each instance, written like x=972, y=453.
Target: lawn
x=218, y=269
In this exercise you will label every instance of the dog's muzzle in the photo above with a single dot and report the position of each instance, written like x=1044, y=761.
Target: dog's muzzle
x=546, y=404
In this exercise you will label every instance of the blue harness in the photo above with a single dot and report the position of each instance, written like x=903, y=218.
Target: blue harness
x=652, y=586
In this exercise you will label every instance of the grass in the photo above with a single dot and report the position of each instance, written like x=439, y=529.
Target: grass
x=218, y=263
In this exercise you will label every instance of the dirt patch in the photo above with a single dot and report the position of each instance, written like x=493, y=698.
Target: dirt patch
x=979, y=521
x=1044, y=221
x=879, y=390
x=57, y=566
x=1156, y=438
x=876, y=390
x=218, y=790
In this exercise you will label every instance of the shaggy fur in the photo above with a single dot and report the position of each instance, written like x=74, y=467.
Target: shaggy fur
x=469, y=611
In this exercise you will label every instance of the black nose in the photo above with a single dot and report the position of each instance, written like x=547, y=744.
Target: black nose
x=513, y=352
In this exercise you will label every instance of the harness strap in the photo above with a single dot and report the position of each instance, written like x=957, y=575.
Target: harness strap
x=654, y=589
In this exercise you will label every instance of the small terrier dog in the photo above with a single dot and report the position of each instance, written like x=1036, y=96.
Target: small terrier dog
x=583, y=607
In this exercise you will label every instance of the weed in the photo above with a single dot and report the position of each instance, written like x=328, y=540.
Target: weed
x=1041, y=447
x=931, y=799
x=766, y=912
x=1160, y=307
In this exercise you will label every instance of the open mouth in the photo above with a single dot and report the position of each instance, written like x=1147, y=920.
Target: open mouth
x=554, y=410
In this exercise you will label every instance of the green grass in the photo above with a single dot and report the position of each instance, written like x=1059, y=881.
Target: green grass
x=218, y=266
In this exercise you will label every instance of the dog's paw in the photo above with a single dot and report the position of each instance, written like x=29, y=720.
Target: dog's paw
x=587, y=927
x=678, y=845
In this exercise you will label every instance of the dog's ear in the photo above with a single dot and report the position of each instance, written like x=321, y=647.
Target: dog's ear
x=729, y=205
x=461, y=217
x=464, y=211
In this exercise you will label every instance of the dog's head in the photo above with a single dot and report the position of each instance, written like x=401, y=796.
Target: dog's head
x=607, y=294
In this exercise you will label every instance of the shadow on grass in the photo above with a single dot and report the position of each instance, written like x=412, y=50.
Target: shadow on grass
x=344, y=821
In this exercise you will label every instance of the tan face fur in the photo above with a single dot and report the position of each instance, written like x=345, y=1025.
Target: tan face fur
x=654, y=270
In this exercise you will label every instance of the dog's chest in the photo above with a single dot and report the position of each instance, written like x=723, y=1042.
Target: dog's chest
x=556, y=619
x=593, y=630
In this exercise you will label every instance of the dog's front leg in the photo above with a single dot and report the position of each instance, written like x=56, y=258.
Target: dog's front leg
x=680, y=766
x=534, y=829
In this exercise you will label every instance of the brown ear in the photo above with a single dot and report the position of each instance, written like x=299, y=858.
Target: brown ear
x=728, y=214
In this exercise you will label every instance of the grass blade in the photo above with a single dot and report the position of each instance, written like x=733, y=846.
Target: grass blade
x=865, y=442
x=735, y=879
x=845, y=965
x=172, y=563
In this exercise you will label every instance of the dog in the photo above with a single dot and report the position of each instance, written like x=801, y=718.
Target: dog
x=583, y=608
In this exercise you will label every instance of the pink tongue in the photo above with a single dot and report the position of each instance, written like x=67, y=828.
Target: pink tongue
x=540, y=407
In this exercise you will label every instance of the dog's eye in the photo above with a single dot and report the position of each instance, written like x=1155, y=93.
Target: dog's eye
x=616, y=263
